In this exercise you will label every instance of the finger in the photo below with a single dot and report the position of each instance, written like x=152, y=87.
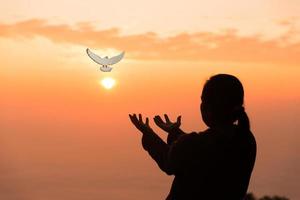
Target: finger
x=147, y=121
x=158, y=118
x=167, y=118
x=134, y=116
x=140, y=118
x=134, y=119
x=179, y=119
x=136, y=123
x=131, y=116
x=158, y=121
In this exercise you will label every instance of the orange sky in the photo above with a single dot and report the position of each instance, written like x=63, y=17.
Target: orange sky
x=63, y=136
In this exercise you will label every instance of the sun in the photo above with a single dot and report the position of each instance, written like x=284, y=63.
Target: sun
x=108, y=83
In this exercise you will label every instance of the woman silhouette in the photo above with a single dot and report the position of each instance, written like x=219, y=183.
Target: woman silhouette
x=215, y=164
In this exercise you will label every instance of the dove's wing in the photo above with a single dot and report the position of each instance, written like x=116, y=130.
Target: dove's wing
x=97, y=59
x=115, y=59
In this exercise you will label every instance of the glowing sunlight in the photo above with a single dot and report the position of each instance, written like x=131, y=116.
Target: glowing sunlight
x=108, y=83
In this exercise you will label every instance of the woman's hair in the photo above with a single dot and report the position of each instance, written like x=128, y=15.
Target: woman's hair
x=225, y=94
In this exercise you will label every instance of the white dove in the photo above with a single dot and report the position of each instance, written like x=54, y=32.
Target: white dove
x=105, y=61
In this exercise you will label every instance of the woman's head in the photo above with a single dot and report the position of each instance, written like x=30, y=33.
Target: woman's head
x=222, y=101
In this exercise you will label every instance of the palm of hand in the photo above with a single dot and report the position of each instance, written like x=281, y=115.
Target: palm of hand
x=139, y=124
x=168, y=125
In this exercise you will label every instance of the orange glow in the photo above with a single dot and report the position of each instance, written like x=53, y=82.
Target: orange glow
x=108, y=83
x=61, y=132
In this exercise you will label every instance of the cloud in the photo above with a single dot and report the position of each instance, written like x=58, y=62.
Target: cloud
x=206, y=46
x=292, y=33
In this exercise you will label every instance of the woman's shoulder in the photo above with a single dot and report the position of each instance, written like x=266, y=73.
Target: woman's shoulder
x=193, y=138
x=194, y=134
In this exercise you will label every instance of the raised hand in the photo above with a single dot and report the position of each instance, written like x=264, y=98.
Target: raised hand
x=167, y=126
x=139, y=124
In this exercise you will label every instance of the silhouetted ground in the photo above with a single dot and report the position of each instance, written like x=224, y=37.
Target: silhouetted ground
x=251, y=196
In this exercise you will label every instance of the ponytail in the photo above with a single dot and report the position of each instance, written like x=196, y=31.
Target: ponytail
x=243, y=120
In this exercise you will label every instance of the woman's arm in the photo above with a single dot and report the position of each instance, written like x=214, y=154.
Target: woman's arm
x=170, y=158
x=152, y=143
x=157, y=149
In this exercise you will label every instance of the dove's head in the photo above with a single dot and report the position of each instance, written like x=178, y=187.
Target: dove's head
x=222, y=100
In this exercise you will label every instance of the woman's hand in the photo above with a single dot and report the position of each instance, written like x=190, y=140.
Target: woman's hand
x=139, y=124
x=167, y=126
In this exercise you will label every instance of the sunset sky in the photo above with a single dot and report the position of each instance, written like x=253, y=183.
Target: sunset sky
x=63, y=136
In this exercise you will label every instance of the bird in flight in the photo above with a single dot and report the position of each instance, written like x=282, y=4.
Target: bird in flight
x=105, y=61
